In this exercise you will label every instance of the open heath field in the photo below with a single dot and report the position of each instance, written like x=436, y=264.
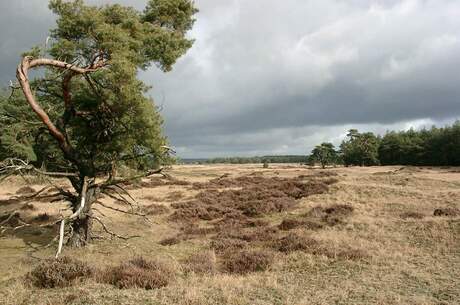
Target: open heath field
x=242, y=234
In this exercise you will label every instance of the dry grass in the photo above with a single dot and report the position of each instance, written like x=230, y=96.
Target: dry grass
x=156, y=209
x=222, y=245
x=170, y=241
x=412, y=215
x=175, y=196
x=338, y=236
x=25, y=190
x=28, y=207
x=201, y=263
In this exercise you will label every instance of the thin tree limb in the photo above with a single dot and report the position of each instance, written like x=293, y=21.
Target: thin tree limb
x=104, y=227
x=119, y=181
x=61, y=238
x=120, y=211
x=13, y=165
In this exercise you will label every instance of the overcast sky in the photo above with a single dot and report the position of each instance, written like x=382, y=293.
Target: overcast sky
x=278, y=77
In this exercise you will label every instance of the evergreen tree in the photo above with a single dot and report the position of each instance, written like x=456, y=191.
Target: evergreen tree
x=325, y=154
x=360, y=149
x=91, y=110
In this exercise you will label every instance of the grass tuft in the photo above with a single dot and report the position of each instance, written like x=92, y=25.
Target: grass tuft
x=201, y=263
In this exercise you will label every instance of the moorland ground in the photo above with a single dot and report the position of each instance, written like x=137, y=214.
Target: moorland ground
x=242, y=234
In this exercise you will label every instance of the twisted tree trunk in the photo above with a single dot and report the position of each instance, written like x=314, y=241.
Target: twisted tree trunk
x=81, y=226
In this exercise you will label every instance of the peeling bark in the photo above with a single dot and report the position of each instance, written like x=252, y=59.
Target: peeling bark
x=81, y=226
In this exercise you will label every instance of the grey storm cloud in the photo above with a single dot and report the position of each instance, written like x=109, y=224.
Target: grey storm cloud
x=268, y=76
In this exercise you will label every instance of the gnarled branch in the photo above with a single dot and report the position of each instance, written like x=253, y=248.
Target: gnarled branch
x=22, y=71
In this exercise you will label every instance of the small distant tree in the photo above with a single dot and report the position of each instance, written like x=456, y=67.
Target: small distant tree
x=325, y=154
x=360, y=149
x=87, y=112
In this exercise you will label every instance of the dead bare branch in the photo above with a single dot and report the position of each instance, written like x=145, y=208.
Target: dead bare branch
x=73, y=216
x=33, y=195
x=125, y=192
x=61, y=237
x=121, y=199
x=120, y=210
x=13, y=166
x=104, y=227
x=121, y=181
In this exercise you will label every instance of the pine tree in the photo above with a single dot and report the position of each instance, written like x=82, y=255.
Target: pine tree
x=88, y=108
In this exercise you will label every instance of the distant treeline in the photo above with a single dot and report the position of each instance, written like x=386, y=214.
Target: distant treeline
x=246, y=160
x=429, y=147
x=436, y=146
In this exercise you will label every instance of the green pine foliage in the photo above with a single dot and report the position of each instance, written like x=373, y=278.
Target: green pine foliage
x=325, y=154
x=360, y=148
x=18, y=128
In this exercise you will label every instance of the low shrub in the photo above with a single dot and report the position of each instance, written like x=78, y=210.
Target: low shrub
x=61, y=272
x=138, y=273
x=296, y=242
x=258, y=196
x=411, y=214
x=331, y=215
x=289, y=224
x=228, y=244
x=246, y=261
x=452, y=212
x=170, y=241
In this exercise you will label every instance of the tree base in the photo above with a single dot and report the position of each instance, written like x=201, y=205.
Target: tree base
x=81, y=232
x=82, y=227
